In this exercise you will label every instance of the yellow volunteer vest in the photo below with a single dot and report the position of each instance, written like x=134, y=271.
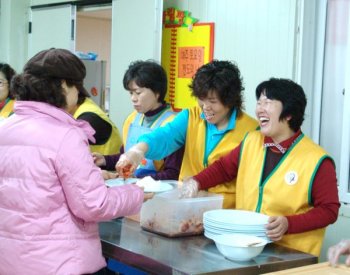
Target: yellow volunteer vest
x=7, y=110
x=114, y=142
x=193, y=160
x=286, y=191
x=158, y=164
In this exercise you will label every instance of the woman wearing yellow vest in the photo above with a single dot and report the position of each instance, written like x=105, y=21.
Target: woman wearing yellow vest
x=280, y=172
x=208, y=131
x=107, y=135
x=6, y=101
x=146, y=82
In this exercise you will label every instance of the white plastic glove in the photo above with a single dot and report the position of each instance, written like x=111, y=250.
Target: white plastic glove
x=189, y=188
x=335, y=251
x=128, y=162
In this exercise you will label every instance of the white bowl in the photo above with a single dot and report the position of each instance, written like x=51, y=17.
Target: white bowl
x=239, y=247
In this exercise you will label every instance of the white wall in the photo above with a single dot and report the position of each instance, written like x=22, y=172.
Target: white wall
x=14, y=32
x=309, y=70
x=334, y=76
x=136, y=34
x=94, y=35
x=335, y=109
x=258, y=35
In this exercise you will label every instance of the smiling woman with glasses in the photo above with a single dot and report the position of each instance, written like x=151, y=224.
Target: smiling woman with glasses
x=6, y=100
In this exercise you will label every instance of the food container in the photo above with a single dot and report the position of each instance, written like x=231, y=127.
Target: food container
x=166, y=214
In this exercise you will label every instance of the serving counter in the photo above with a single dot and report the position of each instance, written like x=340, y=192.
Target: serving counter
x=124, y=241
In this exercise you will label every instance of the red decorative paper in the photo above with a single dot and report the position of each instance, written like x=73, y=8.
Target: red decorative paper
x=190, y=59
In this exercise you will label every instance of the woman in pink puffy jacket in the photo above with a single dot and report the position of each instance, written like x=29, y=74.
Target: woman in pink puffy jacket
x=52, y=195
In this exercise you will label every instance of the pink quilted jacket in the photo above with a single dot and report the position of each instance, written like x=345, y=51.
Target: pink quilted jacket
x=52, y=195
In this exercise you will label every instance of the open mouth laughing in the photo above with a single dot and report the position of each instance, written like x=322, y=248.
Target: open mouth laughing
x=263, y=120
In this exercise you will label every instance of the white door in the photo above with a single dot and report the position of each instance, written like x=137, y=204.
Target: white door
x=52, y=26
x=335, y=115
x=344, y=174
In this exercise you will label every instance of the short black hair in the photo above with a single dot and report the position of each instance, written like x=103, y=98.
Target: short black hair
x=222, y=78
x=290, y=94
x=147, y=74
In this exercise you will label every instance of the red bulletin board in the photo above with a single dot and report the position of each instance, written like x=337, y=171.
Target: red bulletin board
x=184, y=50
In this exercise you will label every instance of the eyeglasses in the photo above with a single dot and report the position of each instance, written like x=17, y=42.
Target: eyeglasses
x=3, y=83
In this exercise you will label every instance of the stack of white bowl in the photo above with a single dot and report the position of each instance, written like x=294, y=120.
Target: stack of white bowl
x=227, y=221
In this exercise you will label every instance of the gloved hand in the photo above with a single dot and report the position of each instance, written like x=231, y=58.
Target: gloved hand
x=189, y=188
x=99, y=159
x=128, y=162
x=335, y=251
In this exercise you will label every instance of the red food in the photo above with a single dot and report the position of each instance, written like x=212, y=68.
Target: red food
x=127, y=171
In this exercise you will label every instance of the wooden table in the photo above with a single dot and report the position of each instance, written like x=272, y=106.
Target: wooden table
x=124, y=241
x=315, y=269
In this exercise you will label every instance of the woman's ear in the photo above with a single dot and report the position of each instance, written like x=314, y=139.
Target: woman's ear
x=157, y=96
x=64, y=84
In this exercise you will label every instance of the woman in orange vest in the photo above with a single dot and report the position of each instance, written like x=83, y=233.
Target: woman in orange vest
x=207, y=131
x=146, y=81
x=280, y=172
x=6, y=100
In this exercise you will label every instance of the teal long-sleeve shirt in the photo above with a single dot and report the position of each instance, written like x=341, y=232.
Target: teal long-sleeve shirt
x=169, y=138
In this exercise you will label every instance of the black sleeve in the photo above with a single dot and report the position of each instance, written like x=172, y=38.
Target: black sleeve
x=103, y=128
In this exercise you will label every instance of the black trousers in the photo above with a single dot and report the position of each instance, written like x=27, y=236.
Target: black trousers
x=104, y=271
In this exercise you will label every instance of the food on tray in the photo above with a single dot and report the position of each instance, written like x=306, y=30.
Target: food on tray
x=127, y=171
x=146, y=181
x=151, y=185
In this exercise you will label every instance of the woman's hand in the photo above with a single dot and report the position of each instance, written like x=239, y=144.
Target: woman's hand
x=277, y=226
x=334, y=252
x=128, y=162
x=189, y=188
x=107, y=175
x=99, y=159
x=147, y=196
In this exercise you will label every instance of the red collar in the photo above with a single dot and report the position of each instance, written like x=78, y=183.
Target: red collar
x=283, y=146
x=2, y=104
